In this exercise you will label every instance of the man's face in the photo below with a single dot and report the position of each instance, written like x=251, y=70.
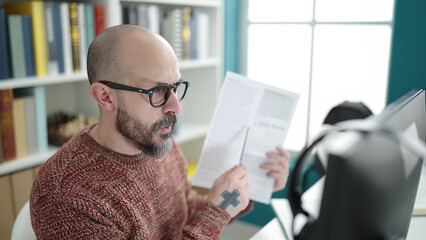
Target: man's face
x=149, y=65
x=150, y=139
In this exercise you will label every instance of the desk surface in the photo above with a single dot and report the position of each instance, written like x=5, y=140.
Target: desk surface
x=311, y=201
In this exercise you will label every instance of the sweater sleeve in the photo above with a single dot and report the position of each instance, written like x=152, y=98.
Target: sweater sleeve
x=208, y=223
x=205, y=221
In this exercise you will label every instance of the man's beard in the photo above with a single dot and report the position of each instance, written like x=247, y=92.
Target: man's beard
x=142, y=136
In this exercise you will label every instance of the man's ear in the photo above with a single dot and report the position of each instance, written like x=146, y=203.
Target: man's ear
x=104, y=96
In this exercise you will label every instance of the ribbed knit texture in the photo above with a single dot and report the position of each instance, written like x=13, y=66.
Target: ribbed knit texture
x=86, y=191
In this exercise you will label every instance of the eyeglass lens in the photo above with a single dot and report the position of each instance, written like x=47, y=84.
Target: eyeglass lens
x=162, y=93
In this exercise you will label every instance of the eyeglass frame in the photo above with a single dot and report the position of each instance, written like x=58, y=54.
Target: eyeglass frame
x=150, y=91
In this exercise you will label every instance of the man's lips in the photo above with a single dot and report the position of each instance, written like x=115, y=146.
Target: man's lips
x=166, y=129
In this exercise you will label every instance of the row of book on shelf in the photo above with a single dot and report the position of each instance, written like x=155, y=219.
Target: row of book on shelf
x=23, y=128
x=185, y=28
x=39, y=38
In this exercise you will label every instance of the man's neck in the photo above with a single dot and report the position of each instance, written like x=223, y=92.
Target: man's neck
x=109, y=137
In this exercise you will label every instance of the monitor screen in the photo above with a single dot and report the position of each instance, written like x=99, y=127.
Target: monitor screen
x=372, y=178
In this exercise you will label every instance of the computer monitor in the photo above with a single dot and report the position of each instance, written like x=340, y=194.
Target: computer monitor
x=372, y=175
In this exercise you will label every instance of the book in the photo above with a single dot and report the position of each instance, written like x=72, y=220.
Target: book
x=154, y=16
x=82, y=35
x=90, y=24
x=75, y=50
x=27, y=31
x=203, y=35
x=20, y=127
x=4, y=49
x=99, y=16
x=130, y=14
x=40, y=103
x=186, y=33
x=57, y=31
x=7, y=128
x=52, y=59
x=194, y=43
x=16, y=46
x=175, y=31
x=142, y=15
x=66, y=38
x=166, y=26
x=35, y=10
x=31, y=125
x=27, y=94
x=125, y=14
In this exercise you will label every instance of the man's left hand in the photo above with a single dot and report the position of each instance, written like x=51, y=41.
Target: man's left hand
x=278, y=170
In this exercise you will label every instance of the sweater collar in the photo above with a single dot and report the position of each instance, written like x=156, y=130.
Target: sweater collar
x=131, y=161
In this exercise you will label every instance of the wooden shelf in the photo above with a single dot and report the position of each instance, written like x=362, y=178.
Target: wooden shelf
x=26, y=162
x=193, y=64
x=186, y=134
x=42, y=81
x=80, y=77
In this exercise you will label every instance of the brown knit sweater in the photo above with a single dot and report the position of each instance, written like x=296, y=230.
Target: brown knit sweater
x=86, y=191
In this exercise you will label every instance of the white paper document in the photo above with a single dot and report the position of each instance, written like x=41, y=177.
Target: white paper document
x=245, y=104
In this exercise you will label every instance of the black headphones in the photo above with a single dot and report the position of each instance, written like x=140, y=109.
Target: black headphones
x=295, y=187
x=295, y=191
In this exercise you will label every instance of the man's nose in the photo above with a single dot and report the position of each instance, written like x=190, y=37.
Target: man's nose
x=172, y=105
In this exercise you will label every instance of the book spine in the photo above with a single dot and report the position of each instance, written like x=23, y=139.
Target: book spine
x=39, y=38
x=28, y=45
x=40, y=108
x=57, y=29
x=6, y=121
x=203, y=35
x=4, y=50
x=186, y=32
x=177, y=32
x=82, y=35
x=194, y=42
x=132, y=15
x=90, y=24
x=36, y=11
x=154, y=18
x=16, y=46
x=52, y=59
x=66, y=38
x=99, y=18
x=20, y=127
x=31, y=124
x=125, y=14
x=74, y=36
x=142, y=15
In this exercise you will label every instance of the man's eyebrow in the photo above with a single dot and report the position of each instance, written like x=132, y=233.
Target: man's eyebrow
x=166, y=83
x=154, y=83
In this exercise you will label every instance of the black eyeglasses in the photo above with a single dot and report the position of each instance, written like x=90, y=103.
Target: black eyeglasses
x=158, y=95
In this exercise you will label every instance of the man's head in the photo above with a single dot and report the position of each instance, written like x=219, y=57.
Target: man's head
x=134, y=56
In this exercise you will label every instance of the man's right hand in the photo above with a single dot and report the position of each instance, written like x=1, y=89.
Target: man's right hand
x=230, y=190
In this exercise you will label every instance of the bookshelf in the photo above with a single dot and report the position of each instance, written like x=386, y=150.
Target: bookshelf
x=205, y=76
x=70, y=93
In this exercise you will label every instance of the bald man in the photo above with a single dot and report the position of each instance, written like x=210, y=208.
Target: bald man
x=125, y=177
